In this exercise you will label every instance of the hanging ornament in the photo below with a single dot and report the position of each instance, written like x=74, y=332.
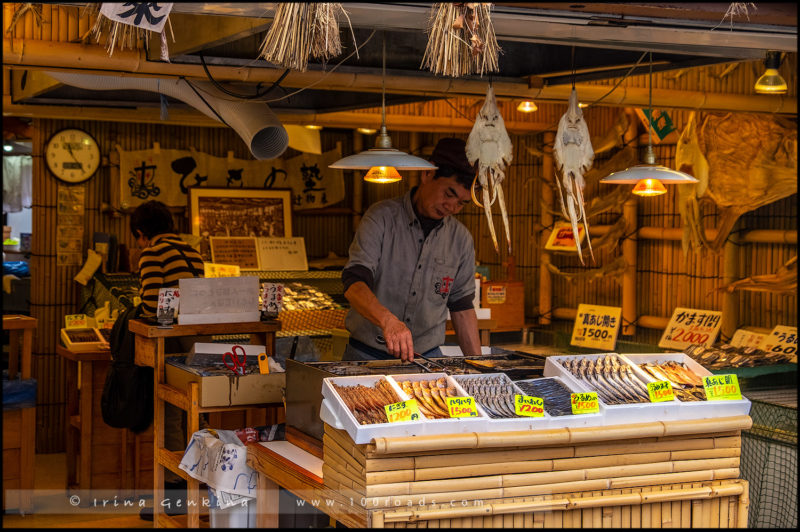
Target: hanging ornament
x=300, y=30
x=461, y=40
x=130, y=23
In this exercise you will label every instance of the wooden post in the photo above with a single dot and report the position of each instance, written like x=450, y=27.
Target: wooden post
x=629, y=251
x=545, y=280
x=358, y=182
x=730, y=300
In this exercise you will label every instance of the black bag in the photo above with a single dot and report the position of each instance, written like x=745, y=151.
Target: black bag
x=127, y=400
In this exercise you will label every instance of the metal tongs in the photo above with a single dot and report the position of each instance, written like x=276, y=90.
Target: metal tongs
x=382, y=340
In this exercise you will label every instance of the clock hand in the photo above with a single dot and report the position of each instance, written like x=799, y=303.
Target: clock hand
x=69, y=150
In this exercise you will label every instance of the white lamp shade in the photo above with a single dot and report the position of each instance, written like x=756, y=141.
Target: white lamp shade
x=382, y=157
x=634, y=174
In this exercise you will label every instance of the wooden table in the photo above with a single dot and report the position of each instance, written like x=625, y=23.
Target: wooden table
x=89, y=438
x=149, y=345
x=276, y=471
x=19, y=426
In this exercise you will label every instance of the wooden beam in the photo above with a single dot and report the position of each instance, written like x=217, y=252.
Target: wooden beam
x=198, y=32
x=184, y=115
x=30, y=83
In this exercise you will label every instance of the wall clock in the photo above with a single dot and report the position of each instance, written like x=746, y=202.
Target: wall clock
x=72, y=155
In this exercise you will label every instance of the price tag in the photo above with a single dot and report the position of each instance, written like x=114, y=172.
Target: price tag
x=271, y=298
x=585, y=403
x=690, y=326
x=220, y=270
x=168, y=303
x=722, y=388
x=782, y=340
x=660, y=391
x=745, y=338
x=462, y=407
x=525, y=405
x=76, y=321
x=403, y=411
x=596, y=327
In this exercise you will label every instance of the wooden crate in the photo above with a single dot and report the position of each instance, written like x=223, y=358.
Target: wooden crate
x=525, y=468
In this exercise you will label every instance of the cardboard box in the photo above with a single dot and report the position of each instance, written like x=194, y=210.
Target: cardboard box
x=220, y=387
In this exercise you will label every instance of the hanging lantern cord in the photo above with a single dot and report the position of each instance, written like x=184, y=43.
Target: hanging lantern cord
x=650, y=157
x=383, y=140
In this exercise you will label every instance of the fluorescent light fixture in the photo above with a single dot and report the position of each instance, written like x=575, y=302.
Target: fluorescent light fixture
x=313, y=126
x=7, y=147
x=367, y=131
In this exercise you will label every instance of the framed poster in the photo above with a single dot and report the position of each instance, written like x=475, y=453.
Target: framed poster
x=244, y=212
x=562, y=239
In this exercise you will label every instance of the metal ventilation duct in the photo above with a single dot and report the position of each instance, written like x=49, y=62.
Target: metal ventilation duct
x=255, y=122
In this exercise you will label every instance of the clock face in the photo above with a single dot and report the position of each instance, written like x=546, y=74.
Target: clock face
x=72, y=155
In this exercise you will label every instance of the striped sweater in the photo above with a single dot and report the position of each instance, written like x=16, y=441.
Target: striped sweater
x=161, y=266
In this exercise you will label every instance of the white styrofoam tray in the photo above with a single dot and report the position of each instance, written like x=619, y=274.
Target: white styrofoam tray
x=693, y=409
x=339, y=415
x=618, y=414
x=505, y=424
x=574, y=420
x=448, y=425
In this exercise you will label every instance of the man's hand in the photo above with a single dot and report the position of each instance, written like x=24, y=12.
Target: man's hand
x=399, y=342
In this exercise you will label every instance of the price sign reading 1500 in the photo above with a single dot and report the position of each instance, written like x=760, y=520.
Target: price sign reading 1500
x=462, y=407
x=585, y=403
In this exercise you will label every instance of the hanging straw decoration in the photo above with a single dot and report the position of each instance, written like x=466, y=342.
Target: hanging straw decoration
x=302, y=29
x=461, y=40
x=20, y=13
x=123, y=35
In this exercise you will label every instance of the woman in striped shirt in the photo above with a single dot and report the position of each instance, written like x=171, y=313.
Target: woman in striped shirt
x=165, y=258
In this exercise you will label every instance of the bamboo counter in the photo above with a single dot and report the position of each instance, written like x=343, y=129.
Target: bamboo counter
x=657, y=474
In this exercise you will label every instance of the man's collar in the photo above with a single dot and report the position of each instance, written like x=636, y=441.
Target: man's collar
x=411, y=211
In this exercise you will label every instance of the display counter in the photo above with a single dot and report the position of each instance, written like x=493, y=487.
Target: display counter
x=657, y=474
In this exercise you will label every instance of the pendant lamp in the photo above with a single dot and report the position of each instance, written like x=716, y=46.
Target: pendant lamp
x=383, y=161
x=649, y=177
x=771, y=81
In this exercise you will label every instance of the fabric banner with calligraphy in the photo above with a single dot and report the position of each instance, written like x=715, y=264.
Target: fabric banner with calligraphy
x=166, y=175
x=150, y=16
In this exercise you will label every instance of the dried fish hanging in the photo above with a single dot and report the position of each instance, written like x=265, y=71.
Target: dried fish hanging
x=784, y=280
x=490, y=146
x=614, y=269
x=302, y=29
x=751, y=160
x=573, y=156
x=129, y=24
x=461, y=40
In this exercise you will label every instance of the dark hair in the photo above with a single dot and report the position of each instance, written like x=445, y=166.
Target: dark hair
x=152, y=218
x=462, y=178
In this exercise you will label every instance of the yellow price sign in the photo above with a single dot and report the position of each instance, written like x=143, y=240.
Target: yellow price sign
x=403, y=411
x=660, y=391
x=722, y=388
x=585, y=403
x=76, y=321
x=525, y=405
x=462, y=407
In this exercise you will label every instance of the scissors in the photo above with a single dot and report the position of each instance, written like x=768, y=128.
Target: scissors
x=237, y=363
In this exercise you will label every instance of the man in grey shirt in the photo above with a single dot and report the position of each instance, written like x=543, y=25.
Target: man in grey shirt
x=410, y=262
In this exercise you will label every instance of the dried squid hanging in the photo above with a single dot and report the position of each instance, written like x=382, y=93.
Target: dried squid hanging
x=489, y=144
x=573, y=155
